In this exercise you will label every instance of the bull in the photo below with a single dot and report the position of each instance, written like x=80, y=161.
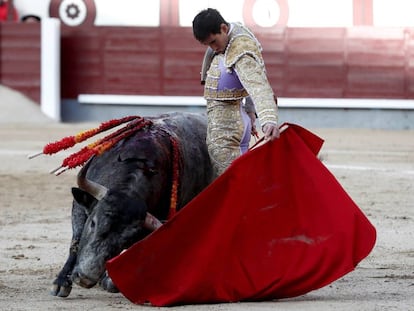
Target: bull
x=119, y=190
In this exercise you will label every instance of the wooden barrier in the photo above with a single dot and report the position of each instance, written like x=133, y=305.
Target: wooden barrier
x=357, y=62
x=20, y=58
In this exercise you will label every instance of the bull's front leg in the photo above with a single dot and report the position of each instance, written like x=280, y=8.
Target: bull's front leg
x=62, y=285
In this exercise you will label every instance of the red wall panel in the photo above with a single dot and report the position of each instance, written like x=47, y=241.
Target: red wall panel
x=358, y=62
x=20, y=58
x=315, y=62
x=376, y=63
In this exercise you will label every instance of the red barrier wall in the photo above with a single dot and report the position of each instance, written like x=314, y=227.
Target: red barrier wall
x=20, y=58
x=358, y=62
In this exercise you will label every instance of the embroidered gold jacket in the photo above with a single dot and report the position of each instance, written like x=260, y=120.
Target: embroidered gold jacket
x=240, y=72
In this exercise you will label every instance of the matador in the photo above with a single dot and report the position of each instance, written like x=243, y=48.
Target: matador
x=237, y=90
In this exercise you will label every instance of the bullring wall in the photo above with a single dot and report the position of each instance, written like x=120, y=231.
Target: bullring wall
x=357, y=62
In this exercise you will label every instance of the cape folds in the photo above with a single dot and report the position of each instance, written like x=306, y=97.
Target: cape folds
x=276, y=224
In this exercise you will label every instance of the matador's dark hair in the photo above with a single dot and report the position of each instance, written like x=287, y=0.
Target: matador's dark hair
x=207, y=22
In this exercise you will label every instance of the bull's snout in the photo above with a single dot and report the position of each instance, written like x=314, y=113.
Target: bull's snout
x=82, y=280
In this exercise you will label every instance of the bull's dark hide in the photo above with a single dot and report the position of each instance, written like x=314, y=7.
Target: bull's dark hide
x=137, y=173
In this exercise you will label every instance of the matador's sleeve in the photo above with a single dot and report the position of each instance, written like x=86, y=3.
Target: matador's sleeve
x=253, y=77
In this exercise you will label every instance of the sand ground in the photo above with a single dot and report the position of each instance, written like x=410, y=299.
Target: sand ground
x=376, y=167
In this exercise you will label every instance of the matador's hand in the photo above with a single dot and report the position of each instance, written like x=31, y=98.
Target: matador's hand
x=271, y=131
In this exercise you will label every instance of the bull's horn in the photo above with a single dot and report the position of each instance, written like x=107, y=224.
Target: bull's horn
x=98, y=191
x=151, y=222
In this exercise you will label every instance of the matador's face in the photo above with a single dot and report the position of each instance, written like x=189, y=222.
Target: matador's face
x=218, y=41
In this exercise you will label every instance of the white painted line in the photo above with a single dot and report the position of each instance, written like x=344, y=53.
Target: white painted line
x=65, y=153
x=369, y=168
x=351, y=103
x=365, y=152
x=96, y=99
x=283, y=102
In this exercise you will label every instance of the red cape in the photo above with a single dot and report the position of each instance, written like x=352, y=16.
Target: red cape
x=276, y=224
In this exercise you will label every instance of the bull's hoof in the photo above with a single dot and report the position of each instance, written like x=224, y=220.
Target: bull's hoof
x=61, y=290
x=107, y=284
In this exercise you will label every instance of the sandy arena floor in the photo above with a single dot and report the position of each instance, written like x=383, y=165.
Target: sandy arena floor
x=376, y=167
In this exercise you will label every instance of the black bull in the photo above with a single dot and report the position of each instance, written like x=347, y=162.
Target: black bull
x=118, y=188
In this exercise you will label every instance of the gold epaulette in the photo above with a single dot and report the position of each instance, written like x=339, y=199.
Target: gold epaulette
x=242, y=45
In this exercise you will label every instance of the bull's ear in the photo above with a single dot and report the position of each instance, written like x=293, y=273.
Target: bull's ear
x=83, y=198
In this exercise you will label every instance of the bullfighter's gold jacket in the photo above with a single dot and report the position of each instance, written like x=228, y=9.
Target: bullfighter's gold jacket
x=240, y=72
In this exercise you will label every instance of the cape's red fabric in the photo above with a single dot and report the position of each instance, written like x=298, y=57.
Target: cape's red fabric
x=276, y=224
